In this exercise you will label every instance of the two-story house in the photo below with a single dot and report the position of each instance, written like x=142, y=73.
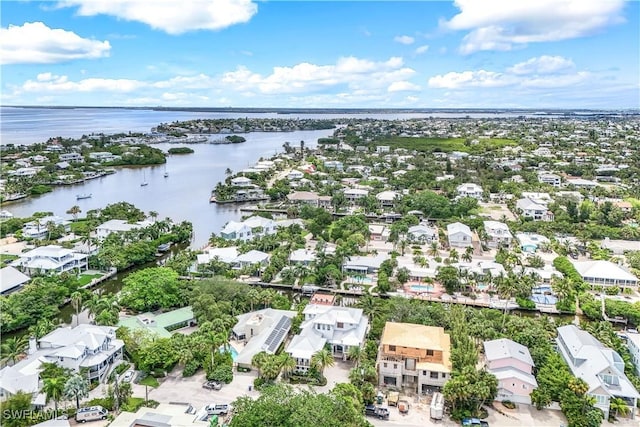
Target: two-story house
x=422, y=233
x=529, y=208
x=40, y=228
x=51, y=259
x=459, y=235
x=600, y=367
x=354, y=194
x=118, y=226
x=470, y=189
x=633, y=343
x=414, y=356
x=339, y=328
x=498, y=234
x=250, y=228
x=387, y=199
x=512, y=365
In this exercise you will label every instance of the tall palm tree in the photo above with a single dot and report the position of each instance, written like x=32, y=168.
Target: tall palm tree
x=322, y=359
x=468, y=254
x=54, y=389
x=253, y=297
x=453, y=255
x=13, y=348
x=288, y=364
x=370, y=306
x=356, y=354
x=74, y=210
x=258, y=361
x=433, y=248
x=76, y=303
x=76, y=387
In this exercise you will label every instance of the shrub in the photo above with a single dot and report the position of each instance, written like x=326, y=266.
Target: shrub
x=525, y=303
x=508, y=404
x=190, y=368
x=612, y=290
x=121, y=368
x=222, y=373
x=105, y=402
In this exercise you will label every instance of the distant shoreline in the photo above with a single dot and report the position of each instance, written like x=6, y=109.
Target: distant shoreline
x=538, y=111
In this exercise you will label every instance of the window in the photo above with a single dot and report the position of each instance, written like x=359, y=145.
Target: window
x=433, y=375
x=392, y=348
x=384, y=364
x=424, y=373
x=524, y=386
x=340, y=325
x=444, y=375
x=395, y=366
x=429, y=352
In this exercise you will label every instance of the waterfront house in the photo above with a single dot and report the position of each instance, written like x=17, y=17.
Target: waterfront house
x=16, y=379
x=498, y=234
x=362, y=265
x=241, y=181
x=302, y=257
x=459, y=235
x=103, y=156
x=340, y=328
x=512, y=365
x=51, y=259
x=160, y=325
x=24, y=172
x=605, y=273
x=226, y=255
x=252, y=258
x=261, y=330
x=118, y=226
x=422, y=234
x=39, y=228
x=600, y=367
x=470, y=190
x=416, y=357
x=11, y=280
x=71, y=157
x=255, y=226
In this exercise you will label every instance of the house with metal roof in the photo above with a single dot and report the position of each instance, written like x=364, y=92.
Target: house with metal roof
x=340, y=328
x=51, y=259
x=605, y=273
x=11, y=280
x=512, y=365
x=600, y=367
x=161, y=324
x=459, y=235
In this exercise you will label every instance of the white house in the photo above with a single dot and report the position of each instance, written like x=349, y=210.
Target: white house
x=530, y=242
x=459, y=235
x=498, y=234
x=39, y=228
x=71, y=157
x=103, y=156
x=302, y=257
x=295, y=175
x=252, y=258
x=582, y=183
x=605, y=273
x=364, y=264
x=512, y=365
x=226, y=255
x=11, y=280
x=241, y=181
x=550, y=178
x=534, y=210
x=387, y=199
x=51, y=259
x=633, y=343
x=118, y=226
x=339, y=327
x=354, y=194
x=470, y=190
x=422, y=233
x=600, y=367
x=250, y=228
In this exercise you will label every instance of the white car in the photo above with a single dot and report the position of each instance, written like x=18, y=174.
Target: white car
x=128, y=376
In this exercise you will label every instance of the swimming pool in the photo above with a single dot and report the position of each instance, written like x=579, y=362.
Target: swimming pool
x=422, y=288
x=232, y=350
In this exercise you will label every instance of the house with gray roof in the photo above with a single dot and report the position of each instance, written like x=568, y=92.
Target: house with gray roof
x=422, y=233
x=11, y=280
x=262, y=330
x=512, y=365
x=364, y=264
x=459, y=235
x=339, y=327
x=51, y=259
x=161, y=324
x=605, y=273
x=252, y=258
x=600, y=367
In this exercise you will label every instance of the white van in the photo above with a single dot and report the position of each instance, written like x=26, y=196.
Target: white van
x=437, y=406
x=91, y=413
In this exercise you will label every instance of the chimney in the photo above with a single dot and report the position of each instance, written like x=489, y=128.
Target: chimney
x=33, y=345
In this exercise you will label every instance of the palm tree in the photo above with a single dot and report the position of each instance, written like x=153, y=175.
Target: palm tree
x=468, y=254
x=433, y=248
x=154, y=215
x=370, y=306
x=76, y=387
x=54, y=389
x=76, y=303
x=41, y=328
x=258, y=361
x=74, y=210
x=288, y=364
x=356, y=354
x=253, y=297
x=453, y=255
x=618, y=406
x=322, y=359
x=13, y=348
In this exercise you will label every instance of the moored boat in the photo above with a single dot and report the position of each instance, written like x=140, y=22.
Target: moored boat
x=83, y=196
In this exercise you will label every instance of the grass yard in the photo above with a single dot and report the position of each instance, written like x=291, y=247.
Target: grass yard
x=84, y=279
x=149, y=381
x=6, y=258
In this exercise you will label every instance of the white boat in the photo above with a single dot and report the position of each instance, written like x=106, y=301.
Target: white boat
x=166, y=174
x=5, y=214
x=83, y=196
x=144, y=182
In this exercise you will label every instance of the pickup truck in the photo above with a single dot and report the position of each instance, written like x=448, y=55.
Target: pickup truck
x=376, y=411
x=214, y=409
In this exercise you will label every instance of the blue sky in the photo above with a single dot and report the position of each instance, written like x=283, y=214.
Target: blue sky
x=383, y=54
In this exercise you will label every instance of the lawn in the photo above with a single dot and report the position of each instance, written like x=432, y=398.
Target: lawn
x=5, y=258
x=445, y=145
x=150, y=381
x=84, y=279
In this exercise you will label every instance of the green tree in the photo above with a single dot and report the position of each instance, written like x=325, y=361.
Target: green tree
x=54, y=389
x=151, y=289
x=618, y=406
x=12, y=348
x=74, y=210
x=76, y=303
x=76, y=388
x=322, y=359
x=15, y=404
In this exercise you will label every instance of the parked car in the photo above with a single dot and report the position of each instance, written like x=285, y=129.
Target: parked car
x=128, y=376
x=376, y=411
x=92, y=413
x=214, y=409
x=212, y=385
x=474, y=422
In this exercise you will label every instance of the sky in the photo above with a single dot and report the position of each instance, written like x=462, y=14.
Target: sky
x=325, y=54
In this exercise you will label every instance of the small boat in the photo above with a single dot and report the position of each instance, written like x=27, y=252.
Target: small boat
x=166, y=174
x=83, y=196
x=144, y=182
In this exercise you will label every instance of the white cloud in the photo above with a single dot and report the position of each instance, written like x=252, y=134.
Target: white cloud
x=505, y=25
x=404, y=39
x=539, y=72
x=403, y=86
x=173, y=17
x=543, y=65
x=35, y=43
x=422, y=49
x=47, y=82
